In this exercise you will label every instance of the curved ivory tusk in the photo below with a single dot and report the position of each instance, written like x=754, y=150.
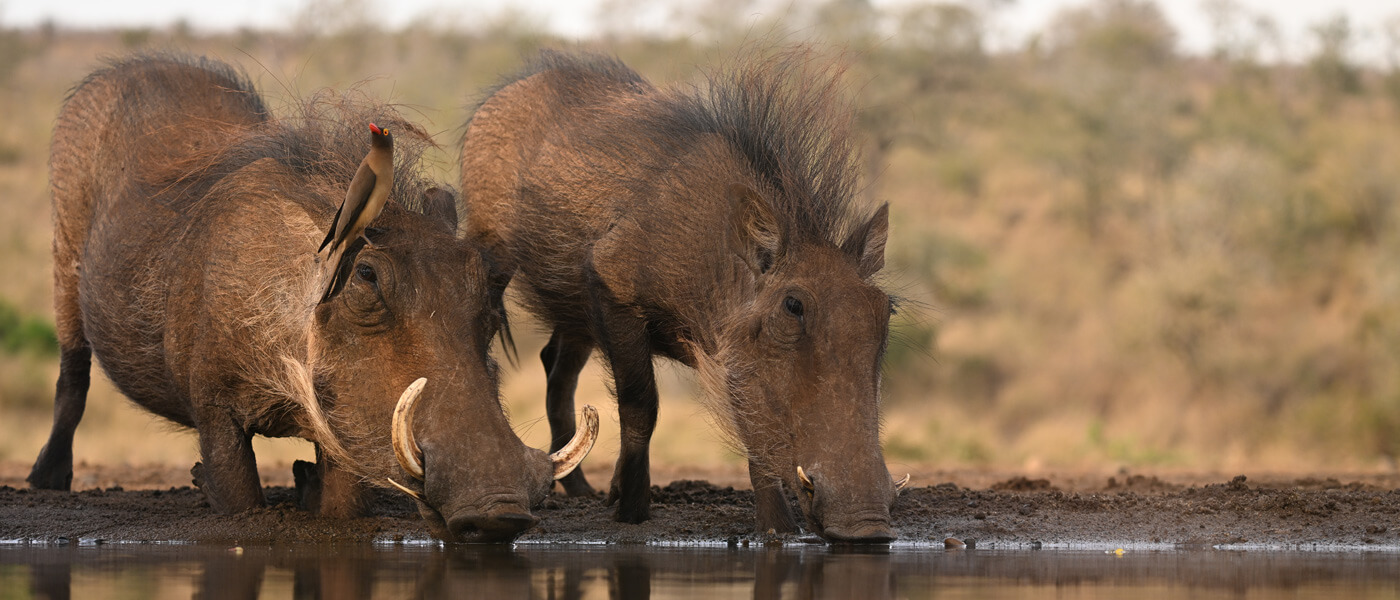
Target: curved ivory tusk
x=807, y=483
x=899, y=485
x=568, y=457
x=405, y=489
x=405, y=448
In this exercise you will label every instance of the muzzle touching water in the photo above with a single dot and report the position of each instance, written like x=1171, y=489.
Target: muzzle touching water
x=853, y=524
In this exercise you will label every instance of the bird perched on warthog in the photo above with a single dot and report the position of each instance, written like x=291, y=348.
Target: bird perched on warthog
x=368, y=192
x=714, y=226
x=185, y=232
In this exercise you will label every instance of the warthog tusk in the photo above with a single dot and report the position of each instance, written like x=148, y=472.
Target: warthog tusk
x=405, y=489
x=899, y=485
x=806, y=483
x=568, y=457
x=405, y=448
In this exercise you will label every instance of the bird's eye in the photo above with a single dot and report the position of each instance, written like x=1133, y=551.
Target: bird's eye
x=366, y=273
x=793, y=306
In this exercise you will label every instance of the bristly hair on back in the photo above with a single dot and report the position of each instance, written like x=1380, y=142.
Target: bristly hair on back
x=585, y=76
x=237, y=80
x=324, y=139
x=788, y=114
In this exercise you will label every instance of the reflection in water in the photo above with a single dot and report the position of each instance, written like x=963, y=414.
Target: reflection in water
x=640, y=572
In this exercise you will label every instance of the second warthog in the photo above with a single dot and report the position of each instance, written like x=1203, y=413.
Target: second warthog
x=716, y=227
x=186, y=221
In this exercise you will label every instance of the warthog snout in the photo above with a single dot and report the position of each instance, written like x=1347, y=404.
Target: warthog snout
x=410, y=456
x=493, y=517
x=473, y=526
x=843, y=515
x=873, y=531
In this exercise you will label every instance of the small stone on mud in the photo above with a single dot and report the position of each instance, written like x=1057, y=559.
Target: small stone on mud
x=953, y=543
x=980, y=516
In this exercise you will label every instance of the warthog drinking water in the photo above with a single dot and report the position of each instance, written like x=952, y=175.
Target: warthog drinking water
x=186, y=225
x=715, y=227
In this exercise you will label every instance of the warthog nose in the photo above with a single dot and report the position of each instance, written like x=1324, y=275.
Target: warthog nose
x=497, y=527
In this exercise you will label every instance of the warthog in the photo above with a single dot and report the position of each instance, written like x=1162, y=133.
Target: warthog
x=715, y=227
x=186, y=224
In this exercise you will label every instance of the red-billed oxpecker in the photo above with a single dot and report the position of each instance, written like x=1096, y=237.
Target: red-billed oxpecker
x=368, y=193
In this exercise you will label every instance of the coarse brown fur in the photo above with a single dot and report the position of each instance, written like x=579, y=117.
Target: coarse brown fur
x=715, y=226
x=186, y=223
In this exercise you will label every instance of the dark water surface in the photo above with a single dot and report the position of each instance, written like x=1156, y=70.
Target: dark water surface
x=582, y=571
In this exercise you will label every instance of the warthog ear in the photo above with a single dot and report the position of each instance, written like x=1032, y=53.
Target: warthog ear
x=867, y=243
x=440, y=206
x=755, y=229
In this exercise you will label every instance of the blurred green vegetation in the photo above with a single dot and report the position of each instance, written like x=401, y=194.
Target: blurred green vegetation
x=20, y=333
x=1110, y=252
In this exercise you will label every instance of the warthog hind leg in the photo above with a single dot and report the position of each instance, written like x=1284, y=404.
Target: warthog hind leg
x=563, y=359
x=54, y=468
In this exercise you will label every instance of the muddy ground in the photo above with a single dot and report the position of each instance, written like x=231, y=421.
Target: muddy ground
x=985, y=509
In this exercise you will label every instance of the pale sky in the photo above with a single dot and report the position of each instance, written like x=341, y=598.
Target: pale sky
x=578, y=18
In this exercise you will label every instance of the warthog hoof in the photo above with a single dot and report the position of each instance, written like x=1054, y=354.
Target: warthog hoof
x=51, y=474
x=308, y=485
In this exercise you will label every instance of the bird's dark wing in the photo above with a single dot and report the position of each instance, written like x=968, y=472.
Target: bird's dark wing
x=330, y=231
x=357, y=196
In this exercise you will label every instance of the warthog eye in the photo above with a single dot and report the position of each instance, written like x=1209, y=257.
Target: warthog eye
x=366, y=273
x=793, y=306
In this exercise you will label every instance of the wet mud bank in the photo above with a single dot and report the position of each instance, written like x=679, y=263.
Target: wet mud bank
x=1018, y=512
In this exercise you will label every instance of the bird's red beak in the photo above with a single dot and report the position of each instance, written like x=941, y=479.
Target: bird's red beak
x=375, y=130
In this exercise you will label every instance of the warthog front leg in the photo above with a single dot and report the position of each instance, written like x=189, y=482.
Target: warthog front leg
x=328, y=490
x=228, y=473
x=563, y=360
x=771, y=507
x=636, y=410
x=623, y=338
x=54, y=468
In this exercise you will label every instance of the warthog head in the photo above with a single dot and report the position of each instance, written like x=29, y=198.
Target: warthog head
x=414, y=321
x=802, y=363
